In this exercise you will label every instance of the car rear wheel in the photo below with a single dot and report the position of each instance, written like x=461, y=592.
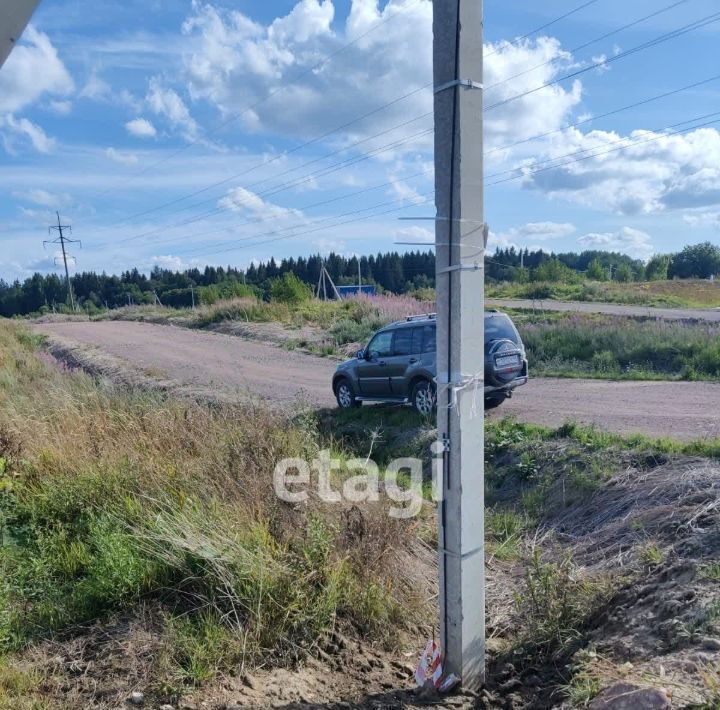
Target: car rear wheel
x=424, y=398
x=345, y=395
x=494, y=402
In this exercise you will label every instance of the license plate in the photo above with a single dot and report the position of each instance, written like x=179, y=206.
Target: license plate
x=507, y=361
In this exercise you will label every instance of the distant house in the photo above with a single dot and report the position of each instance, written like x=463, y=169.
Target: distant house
x=350, y=291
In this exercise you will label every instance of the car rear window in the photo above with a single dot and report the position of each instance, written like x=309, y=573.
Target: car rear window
x=499, y=327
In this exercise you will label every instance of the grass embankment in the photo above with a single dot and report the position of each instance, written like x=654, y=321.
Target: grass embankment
x=679, y=294
x=113, y=499
x=618, y=347
x=323, y=327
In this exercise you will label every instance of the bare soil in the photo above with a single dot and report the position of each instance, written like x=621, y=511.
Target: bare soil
x=227, y=366
x=659, y=630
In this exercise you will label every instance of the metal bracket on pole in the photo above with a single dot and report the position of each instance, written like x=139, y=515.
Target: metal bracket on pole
x=464, y=556
x=461, y=267
x=467, y=83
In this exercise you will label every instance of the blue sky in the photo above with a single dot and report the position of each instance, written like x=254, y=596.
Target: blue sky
x=173, y=133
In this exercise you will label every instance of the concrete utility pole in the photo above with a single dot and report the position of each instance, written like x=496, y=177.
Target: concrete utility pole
x=460, y=235
x=62, y=240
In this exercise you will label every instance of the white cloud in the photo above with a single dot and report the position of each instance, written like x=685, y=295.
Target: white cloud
x=234, y=63
x=16, y=130
x=703, y=219
x=141, y=128
x=167, y=261
x=415, y=234
x=653, y=172
x=405, y=192
x=121, y=157
x=528, y=234
x=61, y=108
x=167, y=102
x=96, y=88
x=33, y=69
x=506, y=77
x=44, y=198
x=244, y=201
x=628, y=240
x=544, y=230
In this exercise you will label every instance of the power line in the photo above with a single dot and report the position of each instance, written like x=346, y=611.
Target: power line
x=547, y=24
x=289, y=184
x=323, y=220
x=698, y=24
x=428, y=195
x=671, y=35
x=335, y=130
x=258, y=220
x=614, y=112
x=284, y=154
x=421, y=173
x=591, y=42
x=654, y=138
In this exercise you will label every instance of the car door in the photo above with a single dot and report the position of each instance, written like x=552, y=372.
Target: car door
x=372, y=372
x=407, y=349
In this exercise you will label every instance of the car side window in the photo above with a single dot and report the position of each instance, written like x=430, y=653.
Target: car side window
x=417, y=341
x=381, y=345
x=402, y=345
x=429, y=337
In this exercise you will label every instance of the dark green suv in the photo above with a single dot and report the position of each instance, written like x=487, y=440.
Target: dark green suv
x=399, y=365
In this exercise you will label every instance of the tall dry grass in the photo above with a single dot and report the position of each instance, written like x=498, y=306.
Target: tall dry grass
x=111, y=496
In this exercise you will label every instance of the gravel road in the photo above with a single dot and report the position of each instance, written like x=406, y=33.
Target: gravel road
x=705, y=314
x=682, y=410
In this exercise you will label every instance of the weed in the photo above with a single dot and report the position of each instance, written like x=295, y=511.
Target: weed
x=504, y=531
x=651, y=555
x=711, y=571
x=555, y=604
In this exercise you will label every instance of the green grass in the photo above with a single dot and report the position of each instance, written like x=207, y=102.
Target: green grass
x=615, y=347
x=711, y=571
x=677, y=294
x=110, y=497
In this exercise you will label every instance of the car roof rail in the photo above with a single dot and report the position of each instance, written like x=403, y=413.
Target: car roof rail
x=423, y=316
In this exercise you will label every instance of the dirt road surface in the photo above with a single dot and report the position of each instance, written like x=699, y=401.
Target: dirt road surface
x=704, y=314
x=681, y=410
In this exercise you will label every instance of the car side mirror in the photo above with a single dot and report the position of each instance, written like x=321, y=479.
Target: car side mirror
x=360, y=354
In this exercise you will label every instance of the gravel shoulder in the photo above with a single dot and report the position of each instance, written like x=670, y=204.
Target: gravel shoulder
x=237, y=367
x=711, y=315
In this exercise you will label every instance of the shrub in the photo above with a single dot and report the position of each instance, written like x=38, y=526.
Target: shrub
x=290, y=289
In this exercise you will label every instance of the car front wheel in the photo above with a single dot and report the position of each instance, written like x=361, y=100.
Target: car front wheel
x=345, y=395
x=424, y=398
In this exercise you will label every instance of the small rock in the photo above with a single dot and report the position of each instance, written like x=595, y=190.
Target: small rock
x=167, y=706
x=625, y=696
x=710, y=644
x=136, y=698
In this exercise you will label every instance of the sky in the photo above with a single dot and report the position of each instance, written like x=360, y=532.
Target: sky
x=181, y=134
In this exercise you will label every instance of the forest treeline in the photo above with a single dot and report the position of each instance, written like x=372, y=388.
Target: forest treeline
x=391, y=271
